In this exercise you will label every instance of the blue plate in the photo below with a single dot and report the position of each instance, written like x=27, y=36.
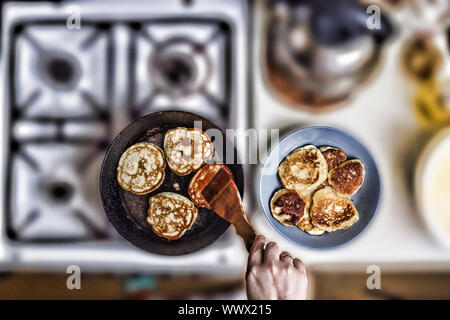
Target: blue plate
x=366, y=200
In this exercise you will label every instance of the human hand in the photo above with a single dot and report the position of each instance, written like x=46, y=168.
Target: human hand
x=274, y=276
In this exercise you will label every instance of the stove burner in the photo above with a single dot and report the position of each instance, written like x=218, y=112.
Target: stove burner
x=59, y=191
x=181, y=66
x=60, y=70
x=177, y=70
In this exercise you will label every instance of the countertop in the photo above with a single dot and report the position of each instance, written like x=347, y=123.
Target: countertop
x=381, y=117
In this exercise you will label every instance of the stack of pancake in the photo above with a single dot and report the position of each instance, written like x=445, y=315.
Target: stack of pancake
x=141, y=170
x=318, y=184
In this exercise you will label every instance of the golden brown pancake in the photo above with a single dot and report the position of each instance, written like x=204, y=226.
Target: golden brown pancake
x=171, y=214
x=305, y=224
x=287, y=207
x=330, y=212
x=333, y=156
x=141, y=168
x=187, y=149
x=347, y=178
x=303, y=170
x=199, y=181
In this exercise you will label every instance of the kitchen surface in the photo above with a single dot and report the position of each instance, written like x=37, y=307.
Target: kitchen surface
x=67, y=91
x=381, y=116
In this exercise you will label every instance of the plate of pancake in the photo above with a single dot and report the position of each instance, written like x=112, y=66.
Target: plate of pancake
x=148, y=182
x=319, y=187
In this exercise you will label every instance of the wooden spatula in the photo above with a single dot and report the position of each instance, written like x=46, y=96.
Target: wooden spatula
x=222, y=195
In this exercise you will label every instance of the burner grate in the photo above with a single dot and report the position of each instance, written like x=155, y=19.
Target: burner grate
x=181, y=63
x=60, y=126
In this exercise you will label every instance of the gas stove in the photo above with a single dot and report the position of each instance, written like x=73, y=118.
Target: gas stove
x=188, y=68
x=68, y=91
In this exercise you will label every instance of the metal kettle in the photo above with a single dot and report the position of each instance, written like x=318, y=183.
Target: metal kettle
x=318, y=52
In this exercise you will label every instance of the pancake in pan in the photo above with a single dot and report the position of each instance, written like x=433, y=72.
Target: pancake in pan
x=287, y=207
x=187, y=149
x=304, y=170
x=330, y=212
x=347, y=178
x=333, y=156
x=199, y=181
x=171, y=215
x=141, y=168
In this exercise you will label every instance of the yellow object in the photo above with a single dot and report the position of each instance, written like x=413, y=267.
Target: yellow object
x=431, y=104
x=421, y=59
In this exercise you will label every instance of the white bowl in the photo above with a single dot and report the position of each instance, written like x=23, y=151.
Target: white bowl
x=424, y=171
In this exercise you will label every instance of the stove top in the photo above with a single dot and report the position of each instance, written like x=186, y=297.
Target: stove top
x=68, y=92
x=182, y=64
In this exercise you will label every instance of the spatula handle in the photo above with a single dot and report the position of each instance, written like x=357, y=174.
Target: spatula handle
x=244, y=230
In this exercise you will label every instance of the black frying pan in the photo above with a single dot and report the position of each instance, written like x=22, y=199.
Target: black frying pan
x=127, y=211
